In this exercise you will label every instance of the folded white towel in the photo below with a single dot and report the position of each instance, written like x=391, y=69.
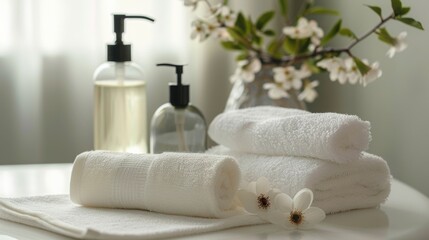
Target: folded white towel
x=282, y=131
x=58, y=214
x=337, y=187
x=189, y=184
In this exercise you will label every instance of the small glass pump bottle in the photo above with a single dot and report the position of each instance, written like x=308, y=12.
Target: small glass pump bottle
x=120, y=118
x=178, y=126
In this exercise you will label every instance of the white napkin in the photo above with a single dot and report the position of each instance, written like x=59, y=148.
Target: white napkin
x=363, y=183
x=56, y=213
x=191, y=184
x=281, y=131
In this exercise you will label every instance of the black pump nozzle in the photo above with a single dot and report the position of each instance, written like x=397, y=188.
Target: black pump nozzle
x=179, y=94
x=120, y=52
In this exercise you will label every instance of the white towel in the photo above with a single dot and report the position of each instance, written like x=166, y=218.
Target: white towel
x=58, y=214
x=337, y=187
x=281, y=131
x=191, y=184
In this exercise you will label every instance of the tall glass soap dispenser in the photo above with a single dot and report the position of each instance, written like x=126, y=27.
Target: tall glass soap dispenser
x=120, y=120
x=178, y=126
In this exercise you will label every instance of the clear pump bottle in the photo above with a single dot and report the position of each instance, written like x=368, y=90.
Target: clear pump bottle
x=178, y=126
x=120, y=118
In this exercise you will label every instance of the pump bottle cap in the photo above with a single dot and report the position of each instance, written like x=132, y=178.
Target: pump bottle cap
x=179, y=93
x=120, y=52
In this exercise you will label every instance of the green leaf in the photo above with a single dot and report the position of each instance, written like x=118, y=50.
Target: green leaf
x=240, y=23
x=397, y=7
x=231, y=45
x=384, y=36
x=376, y=9
x=311, y=64
x=269, y=32
x=320, y=10
x=347, y=33
x=274, y=49
x=264, y=19
x=363, y=68
x=405, y=10
x=411, y=22
x=289, y=46
x=283, y=7
x=225, y=2
x=235, y=33
x=242, y=56
x=334, y=30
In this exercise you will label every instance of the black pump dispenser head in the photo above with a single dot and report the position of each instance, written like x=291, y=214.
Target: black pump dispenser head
x=120, y=52
x=179, y=93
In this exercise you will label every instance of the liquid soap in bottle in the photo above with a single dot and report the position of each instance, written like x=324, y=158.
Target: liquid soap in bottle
x=178, y=126
x=120, y=118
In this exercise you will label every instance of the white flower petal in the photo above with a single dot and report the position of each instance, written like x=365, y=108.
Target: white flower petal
x=303, y=199
x=283, y=202
x=249, y=200
x=313, y=215
x=262, y=186
x=277, y=93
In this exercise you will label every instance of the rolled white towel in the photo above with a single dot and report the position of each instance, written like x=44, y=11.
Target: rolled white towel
x=189, y=184
x=282, y=131
x=336, y=187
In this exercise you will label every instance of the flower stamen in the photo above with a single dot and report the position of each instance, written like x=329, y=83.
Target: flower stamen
x=264, y=201
x=296, y=217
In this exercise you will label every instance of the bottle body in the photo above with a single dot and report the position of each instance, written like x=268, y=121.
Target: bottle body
x=178, y=130
x=120, y=115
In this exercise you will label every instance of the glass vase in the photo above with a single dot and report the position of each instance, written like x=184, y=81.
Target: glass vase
x=252, y=94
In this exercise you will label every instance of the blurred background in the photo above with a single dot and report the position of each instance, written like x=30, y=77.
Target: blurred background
x=50, y=48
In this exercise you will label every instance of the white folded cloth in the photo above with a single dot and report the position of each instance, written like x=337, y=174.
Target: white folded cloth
x=281, y=131
x=56, y=213
x=337, y=187
x=191, y=184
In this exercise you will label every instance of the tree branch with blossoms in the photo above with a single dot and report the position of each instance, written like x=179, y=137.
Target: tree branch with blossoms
x=300, y=50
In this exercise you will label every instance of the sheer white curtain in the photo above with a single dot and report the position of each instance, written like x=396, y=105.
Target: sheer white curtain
x=50, y=48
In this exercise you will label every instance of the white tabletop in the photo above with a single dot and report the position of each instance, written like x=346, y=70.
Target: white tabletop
x=404, y=216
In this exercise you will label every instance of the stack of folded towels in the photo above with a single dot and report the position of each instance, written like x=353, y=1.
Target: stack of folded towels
x=296, y=149
x=187, y=193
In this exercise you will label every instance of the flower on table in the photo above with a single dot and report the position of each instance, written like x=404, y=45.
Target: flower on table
x=258, y=197
x=399, y=45
x=246, y=70
x=297, y=212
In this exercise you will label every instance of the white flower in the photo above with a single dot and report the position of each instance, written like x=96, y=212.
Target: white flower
x=276, y=90
x=374, y=73
x=296, y=212
x=398, y=46
x=345, y=70
x=302, y=30
x=289, y=76
x=258, y=197
x=222, y=34
x=226, y=14
x=336, y=68
x=309, y=94
x=199, y=30
x=246, y=70
x=305, y=29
